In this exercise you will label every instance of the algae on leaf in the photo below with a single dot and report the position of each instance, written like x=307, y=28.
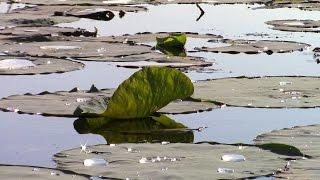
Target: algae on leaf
x=144, y=93
x=172, y=45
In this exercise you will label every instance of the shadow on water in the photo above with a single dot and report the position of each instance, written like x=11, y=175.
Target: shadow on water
x=156, y=128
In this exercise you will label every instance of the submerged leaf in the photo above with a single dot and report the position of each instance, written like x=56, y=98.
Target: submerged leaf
x=152, y=129
x=173, y=45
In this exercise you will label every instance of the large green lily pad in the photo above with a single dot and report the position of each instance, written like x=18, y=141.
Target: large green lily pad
x=182, y=161
x=306, y=138
x=12, y=172
x=294, y=25
x=10, y=65
x=157, y=128
x=147, y=91
x=261, y=92
x=64, y=103
x=256, y=46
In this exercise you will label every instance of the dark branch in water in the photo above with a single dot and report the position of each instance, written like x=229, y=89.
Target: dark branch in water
x=201, y=10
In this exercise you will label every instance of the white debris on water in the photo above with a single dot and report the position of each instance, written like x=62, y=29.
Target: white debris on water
x=225, y=170
x=95, y=162
x=233, y=158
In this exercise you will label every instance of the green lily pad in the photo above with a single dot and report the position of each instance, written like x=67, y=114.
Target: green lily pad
x=171, y=161
x=144, y=93
x=261, y=92
x=172, y=45
x=152, y=129
x=306, y=138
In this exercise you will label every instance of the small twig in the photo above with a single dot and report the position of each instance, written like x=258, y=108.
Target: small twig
x=201, y=10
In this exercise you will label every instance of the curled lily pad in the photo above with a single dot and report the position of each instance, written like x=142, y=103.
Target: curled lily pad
x=173, y=44
x=181, y=161
x=145, y=92
x=152, y=129
x=261, y=92
x=306, y=138
x=35, y=173
x=295, y=25
x=35, y=65
x=64, y=103
x=256, y=46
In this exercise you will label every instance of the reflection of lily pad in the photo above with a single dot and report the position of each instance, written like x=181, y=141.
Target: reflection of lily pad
x=255, y=47
x=306, y=138
x=64, y=103
x=192, y=161
x=36, y=65
x=153, y=129
x=294, y=25
x=264, y=92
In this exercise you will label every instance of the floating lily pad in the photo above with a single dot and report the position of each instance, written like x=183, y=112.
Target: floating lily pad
x=36, y=65
x=45, y=31
x=306, y=138
x=64, y=103
x=152, y=129
x=261, y=92
x=177, y=161
x=295, y=25
x=33, y=173
x=100, y=51
x=74, y=49
x=255, y=47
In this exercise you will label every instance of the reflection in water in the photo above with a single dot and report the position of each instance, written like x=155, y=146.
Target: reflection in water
x=156, y=128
